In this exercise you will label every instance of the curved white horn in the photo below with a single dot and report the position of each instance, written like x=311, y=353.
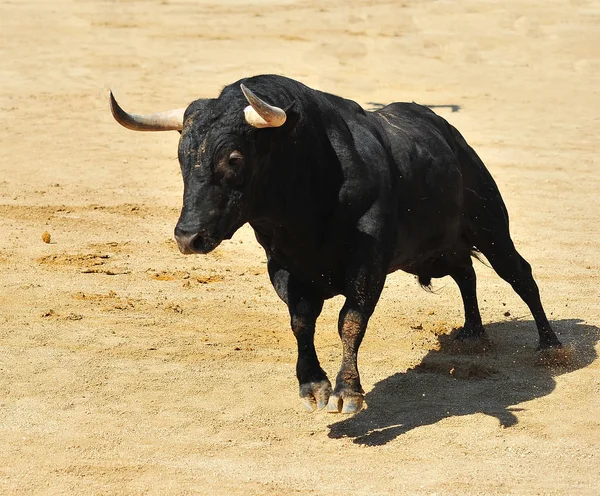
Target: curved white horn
x=260, y=114
x=170, y=120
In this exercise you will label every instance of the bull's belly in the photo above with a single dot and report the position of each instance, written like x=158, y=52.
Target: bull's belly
x=416, y=250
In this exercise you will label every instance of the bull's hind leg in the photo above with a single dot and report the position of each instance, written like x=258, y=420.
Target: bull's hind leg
x=458, y=265
x=515, y=270
x=465, y=278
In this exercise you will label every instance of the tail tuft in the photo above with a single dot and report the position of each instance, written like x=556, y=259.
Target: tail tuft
x=425, y=282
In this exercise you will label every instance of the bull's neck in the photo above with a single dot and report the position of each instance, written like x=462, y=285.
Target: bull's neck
x=296, y=196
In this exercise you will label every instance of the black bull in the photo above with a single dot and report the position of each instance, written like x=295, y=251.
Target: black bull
x=339, y=197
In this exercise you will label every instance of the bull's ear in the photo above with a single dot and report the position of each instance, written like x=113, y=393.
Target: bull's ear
x=260, y=114
x=292, y=111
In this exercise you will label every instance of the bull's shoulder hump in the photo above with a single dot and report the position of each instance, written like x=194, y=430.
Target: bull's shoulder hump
x=411, y=119
x=403, y=111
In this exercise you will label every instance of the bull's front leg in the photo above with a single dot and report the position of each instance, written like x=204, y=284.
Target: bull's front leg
x=305, y=305
x=315, y=387
x=362, y=293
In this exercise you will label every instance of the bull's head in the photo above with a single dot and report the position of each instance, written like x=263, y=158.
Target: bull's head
x=216, y=153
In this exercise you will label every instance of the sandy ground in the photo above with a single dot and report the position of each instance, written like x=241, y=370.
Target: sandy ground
x=127, y=368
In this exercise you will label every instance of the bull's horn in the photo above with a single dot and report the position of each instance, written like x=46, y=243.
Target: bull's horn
x=259, y=113
x=170, y=120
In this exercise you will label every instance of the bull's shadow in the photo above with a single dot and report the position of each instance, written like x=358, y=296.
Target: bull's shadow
x=487, y=378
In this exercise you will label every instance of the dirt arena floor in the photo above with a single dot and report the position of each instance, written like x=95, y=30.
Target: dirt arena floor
x=128, y=368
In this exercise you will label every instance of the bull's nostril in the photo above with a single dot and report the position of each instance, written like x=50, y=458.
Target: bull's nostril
x=188, y=243
x=195, y=242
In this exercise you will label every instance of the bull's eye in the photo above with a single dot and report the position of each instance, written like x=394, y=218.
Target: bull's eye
x=229, y=170
x=236, y=159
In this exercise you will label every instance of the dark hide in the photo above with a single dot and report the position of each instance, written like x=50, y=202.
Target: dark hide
x=338, y=198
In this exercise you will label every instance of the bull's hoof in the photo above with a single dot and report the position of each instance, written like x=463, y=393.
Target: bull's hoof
x=471, y=333
x=315, y=395
x=345, y=402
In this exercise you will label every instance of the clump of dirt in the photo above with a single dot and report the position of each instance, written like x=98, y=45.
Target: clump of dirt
x=456, y=368
x=448, y=344
x=109, y=301
x=111, y=246
x=108, y=272
x=173, y=307
x=170, y=276
x=80, y=295
x=187, y=277
x=77, y=259
x=46, y=237
x=209, y=279
x=73, y=316
x=564, y=357
x=52, y=314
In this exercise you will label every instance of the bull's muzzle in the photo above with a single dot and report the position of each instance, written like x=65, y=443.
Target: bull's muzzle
x=185, y=242
x=190, y=243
